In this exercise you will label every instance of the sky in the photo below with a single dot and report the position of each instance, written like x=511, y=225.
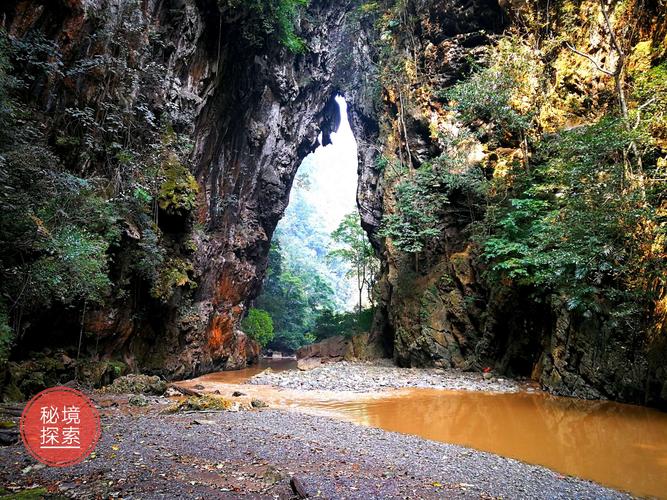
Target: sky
x=332, y=171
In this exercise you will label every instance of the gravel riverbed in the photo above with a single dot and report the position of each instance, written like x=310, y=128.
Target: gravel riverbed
x=370, y=377
x=145, y=453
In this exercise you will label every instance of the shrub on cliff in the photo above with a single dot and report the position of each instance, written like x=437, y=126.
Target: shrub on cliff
x=269, y=18
x=258, y=326
x=423, y=198
x=576, y=227
x=499, y=98
x=486, y=96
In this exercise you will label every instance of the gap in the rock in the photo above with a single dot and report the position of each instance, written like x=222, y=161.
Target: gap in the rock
x=306, y=290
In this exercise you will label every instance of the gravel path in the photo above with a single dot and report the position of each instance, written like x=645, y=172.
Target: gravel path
x=146, y=454
x=370, y=377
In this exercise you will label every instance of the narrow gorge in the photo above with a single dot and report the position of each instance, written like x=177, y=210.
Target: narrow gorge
x=202, y=112
x=506, y=261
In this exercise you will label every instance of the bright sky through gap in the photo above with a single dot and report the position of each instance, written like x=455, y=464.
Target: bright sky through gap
x=323, y=193
x=332, y=171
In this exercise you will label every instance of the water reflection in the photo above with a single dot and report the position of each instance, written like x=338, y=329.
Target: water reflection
x=621, y=446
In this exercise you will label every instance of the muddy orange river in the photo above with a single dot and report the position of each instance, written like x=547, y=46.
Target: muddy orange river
x=617, y=445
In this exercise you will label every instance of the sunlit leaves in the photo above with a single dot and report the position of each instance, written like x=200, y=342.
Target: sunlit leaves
x=422, y=199
x=578, y=227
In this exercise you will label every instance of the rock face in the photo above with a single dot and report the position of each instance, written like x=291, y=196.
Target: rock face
x=333, y=349
x=438, y=310
x=360, y=347
x=250, y=113
x=252, y=138
x=421, y=320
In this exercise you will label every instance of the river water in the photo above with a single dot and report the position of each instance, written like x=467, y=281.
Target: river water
x=617, y=445
x=240, y=376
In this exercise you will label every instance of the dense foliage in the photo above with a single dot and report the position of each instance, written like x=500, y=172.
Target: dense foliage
x=83, y=192
x=273, y=18
x=301, y=305
x=574, y=228
x=423, y=198
x=292, y=296
x=347, y=323
x=312, y=276
x=259, y=326
x=583, y=222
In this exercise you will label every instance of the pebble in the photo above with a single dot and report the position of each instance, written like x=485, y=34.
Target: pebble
x=369, y=377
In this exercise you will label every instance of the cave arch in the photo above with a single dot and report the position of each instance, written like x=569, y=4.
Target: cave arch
x=252, y=136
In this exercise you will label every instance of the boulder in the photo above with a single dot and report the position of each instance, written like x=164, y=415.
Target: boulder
x=308, y=363
x=137, y=384
x=331, y=349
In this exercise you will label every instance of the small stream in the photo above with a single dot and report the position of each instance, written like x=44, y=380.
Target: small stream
x=617, y=445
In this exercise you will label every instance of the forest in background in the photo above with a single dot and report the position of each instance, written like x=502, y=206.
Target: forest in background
x=311, y=291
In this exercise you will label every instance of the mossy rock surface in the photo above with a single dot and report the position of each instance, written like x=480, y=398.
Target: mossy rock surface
x=137, y=384
x=29, y=494
x=203, y=403
x=178, y=193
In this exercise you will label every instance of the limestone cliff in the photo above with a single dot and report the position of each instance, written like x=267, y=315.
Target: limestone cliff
x=190, y=118
x=212, y=102
x=437, y=306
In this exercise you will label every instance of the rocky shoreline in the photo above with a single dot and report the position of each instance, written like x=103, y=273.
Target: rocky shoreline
x=146, y=452
x=378, y=376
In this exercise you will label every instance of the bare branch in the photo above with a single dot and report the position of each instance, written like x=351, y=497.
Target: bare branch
x=639, y=108
x=590, y=58
x=647, y=103
x=614, y=40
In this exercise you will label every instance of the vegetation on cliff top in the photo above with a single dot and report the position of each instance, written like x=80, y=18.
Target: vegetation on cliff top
x=273, y=18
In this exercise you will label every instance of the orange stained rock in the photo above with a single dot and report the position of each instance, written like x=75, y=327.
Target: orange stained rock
x=227, y=289
x=220, y=331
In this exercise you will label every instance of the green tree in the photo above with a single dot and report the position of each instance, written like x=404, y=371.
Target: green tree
x=269, y=18
x=293, y=296
x=259, y=326
x=355, y=249
x=423, y=198
x=415, y=221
